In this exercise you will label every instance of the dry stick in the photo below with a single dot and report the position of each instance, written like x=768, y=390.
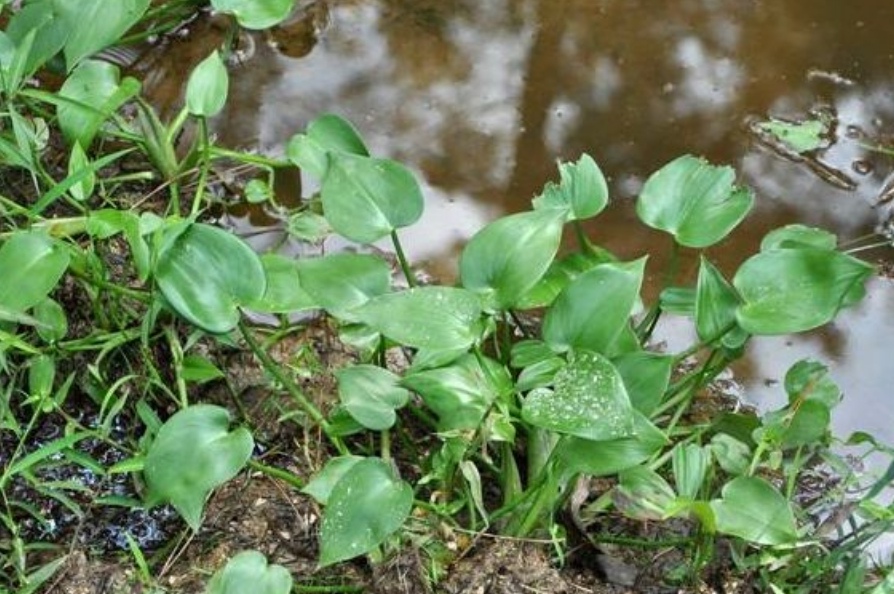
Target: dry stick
x=292, y=388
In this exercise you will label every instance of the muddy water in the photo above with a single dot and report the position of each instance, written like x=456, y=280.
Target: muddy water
x=481, y=98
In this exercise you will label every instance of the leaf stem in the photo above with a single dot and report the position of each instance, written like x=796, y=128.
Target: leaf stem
x=404, y=265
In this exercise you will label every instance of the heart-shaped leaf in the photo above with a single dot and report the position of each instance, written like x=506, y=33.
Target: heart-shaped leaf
x=249, y=571
x=793, y=290
x=206, y=274
x=365, y=199
x=327, y=133
x=207, y=87
x=589, y=400
x=800, y=137
x=592, y=311
x=798, y=236
x=32, y=264
x=192, y=454
x=603, y=458
x=371, y=395
x=340, y=283
x=461, y=393
x=754, y=510
x=507, y=257
x=365, y=507
x=256, y=14
x=694, y=201
x=431, y=317
x=95, y=93
x=582, y=191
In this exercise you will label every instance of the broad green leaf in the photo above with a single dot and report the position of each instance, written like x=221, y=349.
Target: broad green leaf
x=426, y=317
x=529, y=352
x=340, y=283
x=308, y=226
x=809, y=380
x=715, y=306
x=588, y=400
x=540, y=374
x=646, y=376
x=39, y=30
x=193, y=453
x=798, y=236
x=461, y=393
x=94, y=93
x=53, y=324
x=371, y=395
x=32, y=264
x=800, y=137
x=284, y=293
x=207, y=88
x=592, y=311
x=41, y=377
x=255, y=14
x=320, y=487
x=506, y=258
x=794, y=290
x=794, y=426
x=642, y=494
x=249, y=571
x=365, y=199
x=582, y=191
x=754, y=510
x=108, y=21
x=603, y=458
x=365, y=507
x=694, y=201
x=690, y=464
x=678, y=300
x=206, y=274
x=329, y=132
x=559, y=274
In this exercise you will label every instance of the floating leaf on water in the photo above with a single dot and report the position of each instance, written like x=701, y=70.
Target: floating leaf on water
x=800, y=137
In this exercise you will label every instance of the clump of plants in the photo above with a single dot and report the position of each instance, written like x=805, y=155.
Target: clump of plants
x=530, y=374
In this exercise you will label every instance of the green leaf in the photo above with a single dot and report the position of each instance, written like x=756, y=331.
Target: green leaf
x=582, y=191
x=529, y=352
x=76, y=161
x=206, y=274
x=206, y=90
x=327, y=133
x=715, y=306
x=540, y=374
x=588, y=400
x=807, y=423
x=506, y=258
x=798, y=236
x=793, y=290
x=108, y=21
x=284, y=293
x=431, y=317
x=192, y=454
x=678, y=300
x=809, y=380
x=690, y=463
x=733, y=456
x=258, y=191
x=39, y=30
x=371, y=395
x=255, y=14
x=308, y=226
x=461, y=393
x=800, y=137
x=365, y=199
x=593, y=310
x=560, y=273
x=642, y=494
x=198, y=369
x=603, y=458
x=646, y=376
x=320, y=487
x=754, y=510
x=365, y=507
x=340, y=283
x=53, y=324
x=94, y=93
x=41, y=377
x=694, y=201
x=32, y=264
x=248, y=571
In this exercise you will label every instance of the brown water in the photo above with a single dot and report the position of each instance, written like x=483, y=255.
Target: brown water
x=481, y=98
